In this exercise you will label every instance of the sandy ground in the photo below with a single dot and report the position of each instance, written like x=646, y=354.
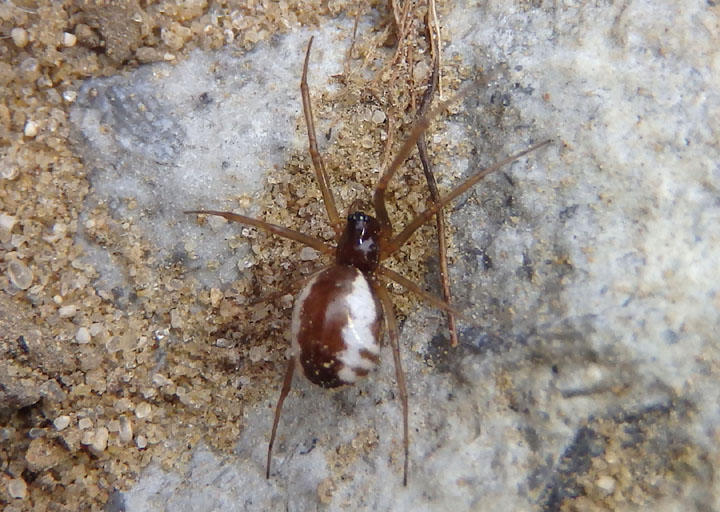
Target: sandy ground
x=138, y=371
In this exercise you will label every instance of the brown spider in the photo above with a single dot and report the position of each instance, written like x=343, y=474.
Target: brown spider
x=337, y=317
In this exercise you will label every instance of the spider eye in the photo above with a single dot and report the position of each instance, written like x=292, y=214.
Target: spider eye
x=357, y=217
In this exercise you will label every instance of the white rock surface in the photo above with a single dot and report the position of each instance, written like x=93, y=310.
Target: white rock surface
x=589, y=269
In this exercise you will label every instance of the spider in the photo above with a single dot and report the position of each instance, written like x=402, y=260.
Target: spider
x=337, y=318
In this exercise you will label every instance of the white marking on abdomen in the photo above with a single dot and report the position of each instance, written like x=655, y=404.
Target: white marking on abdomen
x=358, y=333
x=297, y=313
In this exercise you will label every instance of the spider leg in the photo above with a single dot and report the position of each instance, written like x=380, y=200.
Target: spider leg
x=400, y=239
x=278, y=408
x=317, y=160
x=280, y=231
x=379, y=194
x=427, y=297
x=392, y=328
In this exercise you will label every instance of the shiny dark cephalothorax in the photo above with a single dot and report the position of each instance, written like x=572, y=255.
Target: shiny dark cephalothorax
x=337, y=317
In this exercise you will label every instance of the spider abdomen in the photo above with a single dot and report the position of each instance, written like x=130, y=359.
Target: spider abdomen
x=336, y=325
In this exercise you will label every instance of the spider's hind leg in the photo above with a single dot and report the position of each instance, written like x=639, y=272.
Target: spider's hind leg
x=278, y=409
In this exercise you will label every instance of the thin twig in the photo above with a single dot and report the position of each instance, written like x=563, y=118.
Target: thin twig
x=432, y=183
x=348, y=55
x=435, y=42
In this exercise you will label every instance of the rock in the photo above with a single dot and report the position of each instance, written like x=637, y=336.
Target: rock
x=17, y=488
x=43, y=454
x=20, y=274
x=99, y=441
x=61, y=422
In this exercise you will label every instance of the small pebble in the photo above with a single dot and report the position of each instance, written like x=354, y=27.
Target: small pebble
x=160, y=380
x=122, y=405
x=17, y=488
x=29, y=68
x=53, y=97
x=69, y=96
x=175, y=35
x=224, y=343
x=69, y=39
x=308, y=254
x=61, y=422
x=19, y=36
x=44, y=82
x=85, y=423
x=43, y=454
x=286, y=301
x=606, y=484
x=82, y=336
x=113, y=344
x=6, y=433
x=17, y=240
x=20, y=275
x=378, y=117
x=141, y=442
x=176, y=320
x=126, y=430
x=67, y=311
x=9, y=172
x=142, y=410
x=215, y=297
x=31, y=129
x=100, y=441
x=35, y=433
x=7, y=222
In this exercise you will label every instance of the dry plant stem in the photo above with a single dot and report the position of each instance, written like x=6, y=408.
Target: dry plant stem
x=442, y=245
x=435, y=195
x=435, y=41
x=402, y=27
x=411, y=73
x=423, y=217
x=272, y=228
x=278, y=408
x=317, y=160
x=392, y=329
x=348, y=55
